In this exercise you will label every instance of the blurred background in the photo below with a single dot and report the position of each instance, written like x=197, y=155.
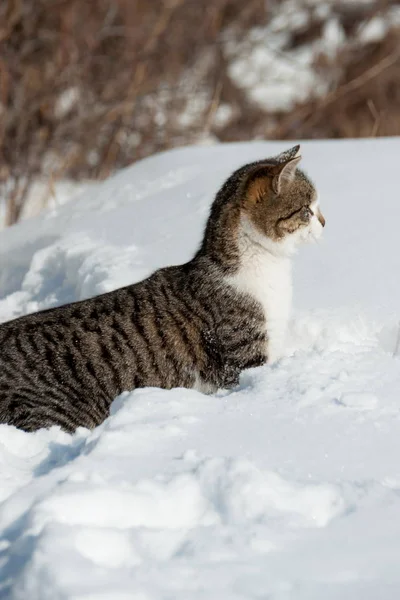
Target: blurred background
x=87, y=87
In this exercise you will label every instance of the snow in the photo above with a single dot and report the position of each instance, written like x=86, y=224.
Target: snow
x=287, y=487
x=278, y=70
x=275, y=75
x=46, y=193
x=66, y=101
x=377, y=27
x=275, y=80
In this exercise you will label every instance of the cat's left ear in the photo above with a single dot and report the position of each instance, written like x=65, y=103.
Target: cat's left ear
x=286, y=168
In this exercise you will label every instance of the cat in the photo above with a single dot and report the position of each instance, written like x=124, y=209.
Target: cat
x=197, y=325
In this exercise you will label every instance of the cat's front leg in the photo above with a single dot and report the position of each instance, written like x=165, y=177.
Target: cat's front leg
x=250, y=351
x=219, y=371
x=211, y=379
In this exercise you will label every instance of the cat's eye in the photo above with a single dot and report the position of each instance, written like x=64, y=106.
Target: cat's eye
x=306, y=212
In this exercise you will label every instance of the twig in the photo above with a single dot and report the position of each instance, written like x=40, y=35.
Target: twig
x=311, y=115
x=213, y=107
x=376, y=116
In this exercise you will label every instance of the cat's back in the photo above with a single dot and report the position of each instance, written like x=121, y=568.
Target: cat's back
x=84, y=313
x=65, y=365
x=115, y=313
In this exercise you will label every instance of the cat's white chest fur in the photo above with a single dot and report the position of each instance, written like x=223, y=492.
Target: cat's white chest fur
x=267, y=278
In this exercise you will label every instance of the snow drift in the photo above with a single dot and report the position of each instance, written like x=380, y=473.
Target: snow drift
x=287, y=487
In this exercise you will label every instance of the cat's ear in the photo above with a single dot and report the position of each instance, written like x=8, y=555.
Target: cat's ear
x=288, y=155
x=270, y=176
x=285, y=169
x=257, y=184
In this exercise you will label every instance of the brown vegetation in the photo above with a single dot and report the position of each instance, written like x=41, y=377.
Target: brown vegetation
x=88, y=87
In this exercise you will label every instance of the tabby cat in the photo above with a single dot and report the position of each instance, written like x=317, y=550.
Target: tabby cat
x=197, y=325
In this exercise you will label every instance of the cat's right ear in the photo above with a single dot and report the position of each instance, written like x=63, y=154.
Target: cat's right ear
x=270, y=177
x=257, y=184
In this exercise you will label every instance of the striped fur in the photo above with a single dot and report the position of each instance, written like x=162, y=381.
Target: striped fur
x=184, y=326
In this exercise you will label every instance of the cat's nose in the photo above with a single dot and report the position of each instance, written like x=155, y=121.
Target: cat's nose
x=321, y=218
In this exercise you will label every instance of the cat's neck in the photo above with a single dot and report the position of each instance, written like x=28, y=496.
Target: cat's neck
x=231, y=242
x=220, y=240
x=260, y=257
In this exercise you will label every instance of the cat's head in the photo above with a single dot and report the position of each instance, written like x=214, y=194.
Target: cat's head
x=279, y=204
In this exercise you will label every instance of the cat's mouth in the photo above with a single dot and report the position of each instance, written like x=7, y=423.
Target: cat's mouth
x=313, y=231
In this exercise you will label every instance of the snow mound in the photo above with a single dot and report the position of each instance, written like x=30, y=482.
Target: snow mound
x=286, y=487
x=73, y=513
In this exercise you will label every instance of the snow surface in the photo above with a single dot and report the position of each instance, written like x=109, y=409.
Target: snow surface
x=286, y=488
